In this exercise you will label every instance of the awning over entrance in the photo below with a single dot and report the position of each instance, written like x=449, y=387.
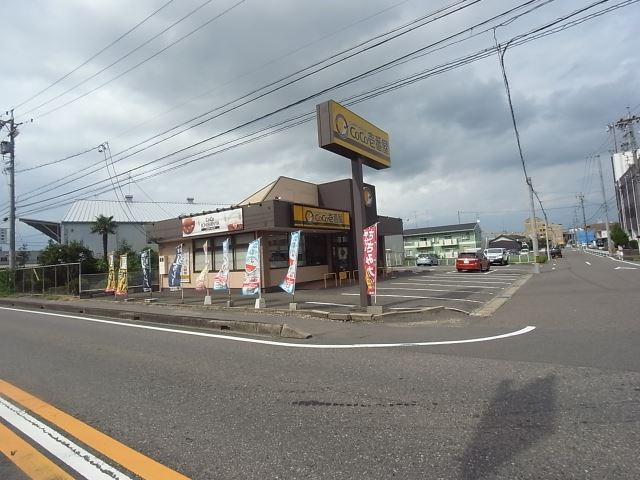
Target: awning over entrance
x=50, y=229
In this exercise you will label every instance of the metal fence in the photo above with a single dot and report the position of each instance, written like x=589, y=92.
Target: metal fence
x=44, y=280
x=62, y=279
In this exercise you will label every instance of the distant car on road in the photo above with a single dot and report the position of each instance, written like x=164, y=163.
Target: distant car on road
x=472, y=261
x=555, y=252
x=426, y=260
x=497, y=255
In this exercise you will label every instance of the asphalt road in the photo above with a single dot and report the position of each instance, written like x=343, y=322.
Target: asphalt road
x=562, y=401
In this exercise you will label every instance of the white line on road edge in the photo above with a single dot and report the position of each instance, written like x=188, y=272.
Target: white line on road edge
x=281, y=344
x=588, y=263
x=76, y=457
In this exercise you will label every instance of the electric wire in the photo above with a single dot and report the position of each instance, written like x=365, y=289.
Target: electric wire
x=268, y=115
x=94, y=55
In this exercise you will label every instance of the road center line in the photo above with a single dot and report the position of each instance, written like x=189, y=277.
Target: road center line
x=68, y=452
x=281, y=344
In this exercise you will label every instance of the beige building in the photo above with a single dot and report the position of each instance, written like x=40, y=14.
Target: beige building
x=553, y=229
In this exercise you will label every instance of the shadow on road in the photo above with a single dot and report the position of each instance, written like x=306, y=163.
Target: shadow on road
x=514, y=420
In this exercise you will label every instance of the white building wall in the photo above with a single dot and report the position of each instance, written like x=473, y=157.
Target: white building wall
x=134, y=234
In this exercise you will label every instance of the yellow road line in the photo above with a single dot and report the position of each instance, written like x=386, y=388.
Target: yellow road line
x=28, y=459
x=133, y=461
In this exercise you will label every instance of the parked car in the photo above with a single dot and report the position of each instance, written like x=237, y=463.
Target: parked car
x=524, y=251
x=426, y=260
x=497, y=255
x=472, y=261
x=555, y=252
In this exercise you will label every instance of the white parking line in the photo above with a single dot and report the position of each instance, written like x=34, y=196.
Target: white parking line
x=522, y=331
x=588, y=263
x=434, y=290
x=433, y=284
x=331, y=304
x=419, y=297
x=477, y=280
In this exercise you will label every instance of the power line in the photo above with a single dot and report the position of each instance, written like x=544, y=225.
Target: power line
x=522, y=40
x=94, y=55
x=120, y=75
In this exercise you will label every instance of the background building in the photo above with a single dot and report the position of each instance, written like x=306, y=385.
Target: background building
x=626, y=176
x=445, y=241
x=133, y=219
x=554, y=230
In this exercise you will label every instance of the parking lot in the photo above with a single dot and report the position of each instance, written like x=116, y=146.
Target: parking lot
x=420, y=287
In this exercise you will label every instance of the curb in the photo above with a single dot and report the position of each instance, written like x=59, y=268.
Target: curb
x=252, y=328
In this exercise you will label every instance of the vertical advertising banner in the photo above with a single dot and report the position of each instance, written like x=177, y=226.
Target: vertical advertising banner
x=221, y=280
x=123, y=283
x=175, y=270
x=111, y=276
x=145, y=261
x=370, y=252
x=251, y=284
x=289, y=282
x=203, y=279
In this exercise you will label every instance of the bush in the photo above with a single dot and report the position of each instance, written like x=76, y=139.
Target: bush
x=633, y=244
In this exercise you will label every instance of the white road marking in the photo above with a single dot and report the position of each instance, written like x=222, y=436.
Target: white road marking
x=625, y=268
x=481, y=280
x=419, y=297
x=432, y=284
x=68, y=452
x=522, y=331
x=350, y=305
x=588, y=263
x=434, y=290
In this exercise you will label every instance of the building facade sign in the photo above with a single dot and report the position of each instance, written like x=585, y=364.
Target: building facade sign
x=312, y=217
x=214, y=222
x=345, y=133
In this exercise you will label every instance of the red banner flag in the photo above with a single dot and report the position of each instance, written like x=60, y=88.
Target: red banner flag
x=370, y=253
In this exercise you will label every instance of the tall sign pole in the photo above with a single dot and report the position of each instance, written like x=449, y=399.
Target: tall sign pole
x=343, y=132
x=357, y=185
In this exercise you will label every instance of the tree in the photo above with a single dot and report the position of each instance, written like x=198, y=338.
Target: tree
x=56, y=253
x=104, y=226
x=618, y=235
x=22, y=255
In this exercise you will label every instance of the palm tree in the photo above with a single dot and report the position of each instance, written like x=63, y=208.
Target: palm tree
x=104, y=226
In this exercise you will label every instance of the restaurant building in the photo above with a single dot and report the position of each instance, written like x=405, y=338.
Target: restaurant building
x=322, y=212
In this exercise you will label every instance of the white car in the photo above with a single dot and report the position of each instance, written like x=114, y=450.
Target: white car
x=497, y=255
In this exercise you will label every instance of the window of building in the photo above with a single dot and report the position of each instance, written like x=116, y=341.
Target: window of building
x=199, y=257
x=278, y=250
x=313, y=249
x=240, y=247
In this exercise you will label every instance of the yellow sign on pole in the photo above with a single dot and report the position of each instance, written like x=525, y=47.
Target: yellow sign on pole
x=343, y=132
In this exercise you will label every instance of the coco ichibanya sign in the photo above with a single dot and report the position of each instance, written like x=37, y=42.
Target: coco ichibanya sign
x=343, y=132
x=312, y=217
x=214, y=222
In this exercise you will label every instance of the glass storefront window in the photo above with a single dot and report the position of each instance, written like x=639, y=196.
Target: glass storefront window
x=199, y=254
x=313, y=249
x=240, y=247
x=278, y=250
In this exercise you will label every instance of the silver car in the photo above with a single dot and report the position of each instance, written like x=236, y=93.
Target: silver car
x=426, y=260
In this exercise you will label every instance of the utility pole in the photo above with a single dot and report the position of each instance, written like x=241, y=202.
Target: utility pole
x=534, y=228
x=10, y=147
x=584, y=218
x=606, y=209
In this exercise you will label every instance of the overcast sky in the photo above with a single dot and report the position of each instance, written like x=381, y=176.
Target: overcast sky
x=231, y=63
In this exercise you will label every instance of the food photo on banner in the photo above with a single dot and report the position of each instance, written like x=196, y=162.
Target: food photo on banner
x=145, y=261
x=289, y=282
x=175, y=270
x=251, y=284
x=123, y=282
x=111, y=276
x=221, y=280
x=370, y=253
